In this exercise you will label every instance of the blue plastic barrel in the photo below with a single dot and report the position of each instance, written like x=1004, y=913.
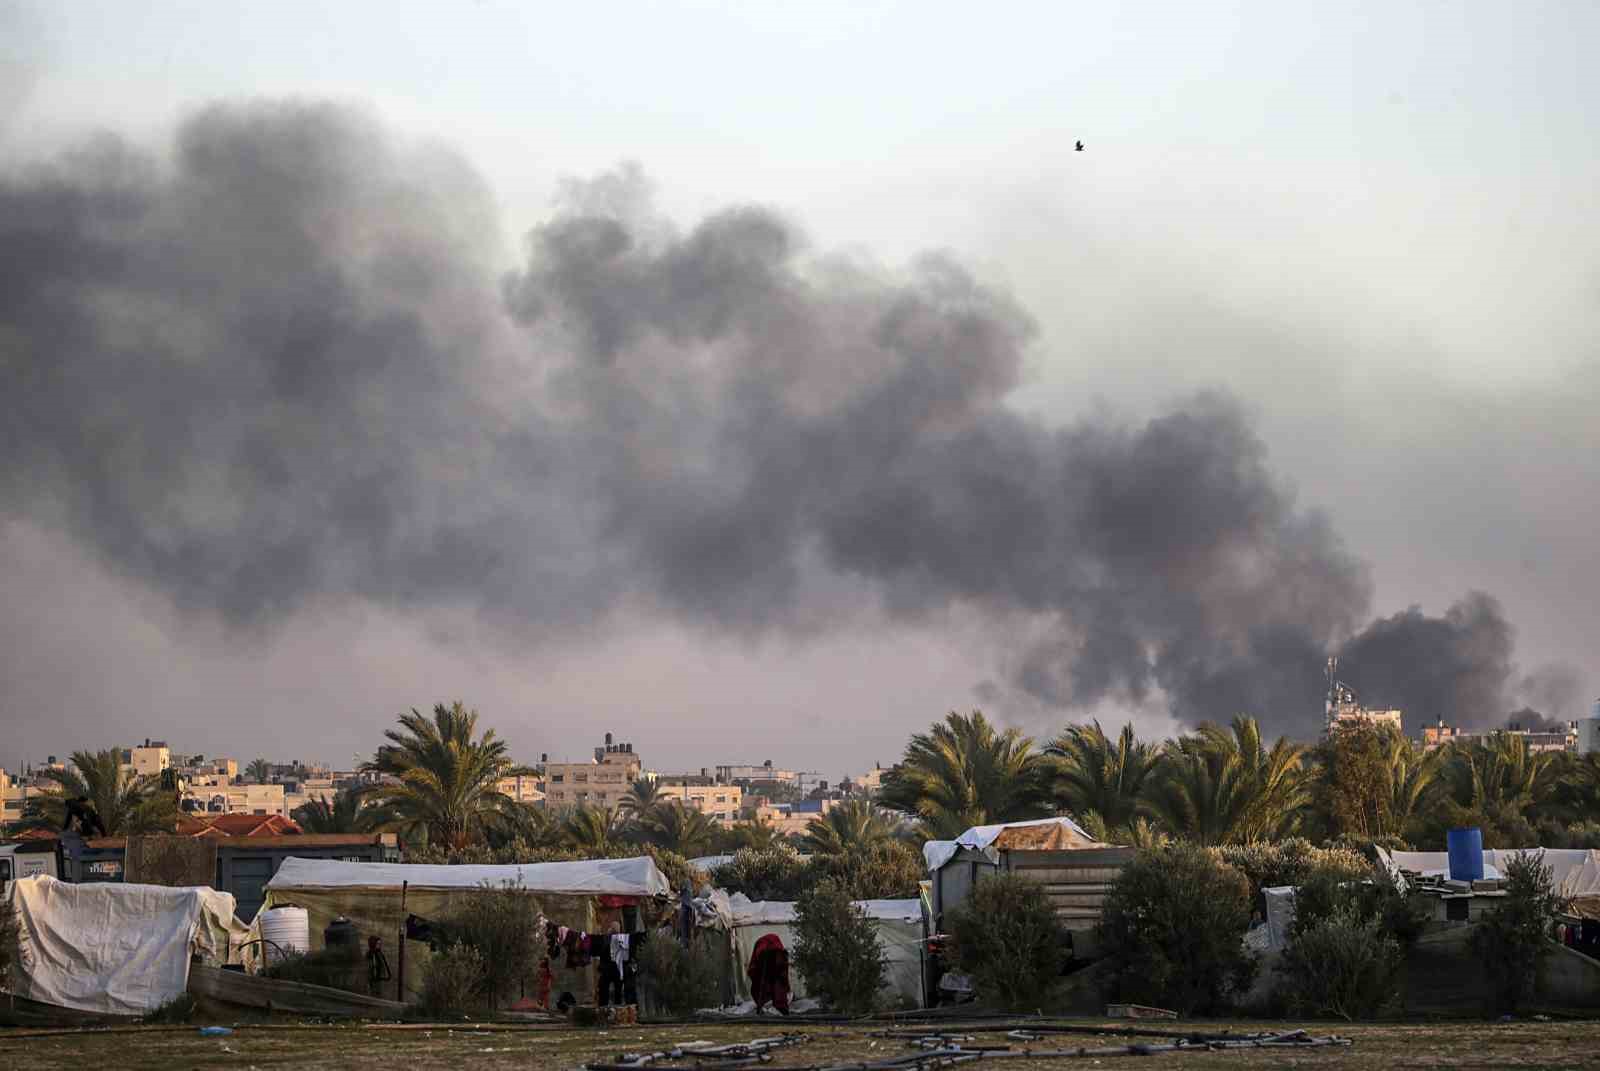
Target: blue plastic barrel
x=1466, y=854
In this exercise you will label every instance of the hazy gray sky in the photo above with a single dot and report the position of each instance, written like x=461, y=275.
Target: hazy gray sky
x=1373, y=225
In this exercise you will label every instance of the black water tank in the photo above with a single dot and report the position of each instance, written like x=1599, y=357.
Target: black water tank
x=340, y=934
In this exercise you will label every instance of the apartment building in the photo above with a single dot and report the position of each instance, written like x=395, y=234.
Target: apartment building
x=722, y=802
x=524, y=789
x=745, y=774
x=602, y=781
x=213, y=794
x=150, y=758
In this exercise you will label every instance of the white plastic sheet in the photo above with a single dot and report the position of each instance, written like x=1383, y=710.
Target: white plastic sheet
x=899, y=929
x=116, y=949
x=937, y=853
x=1574, y=871
x=586, y=877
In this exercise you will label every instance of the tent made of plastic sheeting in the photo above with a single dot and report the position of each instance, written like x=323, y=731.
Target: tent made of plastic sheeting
x=117, y=949
x=1575, y=872
x=585, y=877
x=899, y=927
x=1039, y=835
x=377, y=898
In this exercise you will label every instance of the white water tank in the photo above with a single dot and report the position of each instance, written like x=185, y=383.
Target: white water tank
x=286, y=929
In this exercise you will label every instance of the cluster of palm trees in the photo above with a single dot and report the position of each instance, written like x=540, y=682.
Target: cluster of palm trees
x=1228, y=785
x=438, y=780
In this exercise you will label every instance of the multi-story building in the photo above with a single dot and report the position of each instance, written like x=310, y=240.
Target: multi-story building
x=722, y=802
x=149, y=759
x=601, y=782
x=214, y=795
x=1342, y=709
x=524, y=788
x=745, y=774
x=1564, y=739
x=14, y=795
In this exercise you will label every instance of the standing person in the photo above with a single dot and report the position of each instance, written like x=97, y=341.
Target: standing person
x=377, y=966
x=769, y=974
x=611, y=967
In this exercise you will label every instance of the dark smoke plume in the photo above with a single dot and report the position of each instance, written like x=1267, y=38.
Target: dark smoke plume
x=282, y=367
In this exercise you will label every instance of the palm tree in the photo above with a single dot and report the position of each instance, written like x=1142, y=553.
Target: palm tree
x=1412, y=776
x=441, y=779
x=643, y=794
x=849, y=828
x=343, y=815
x=127, y=803
x=754, y=833
x=677, y=828
x=1502, y=774
x=1094, y=775
x=1279, y=786
x=964, y=773
x=1217, y=787
x=259, y=771
x=589, y=829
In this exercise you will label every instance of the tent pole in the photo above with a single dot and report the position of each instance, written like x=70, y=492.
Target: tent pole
x=400, y=975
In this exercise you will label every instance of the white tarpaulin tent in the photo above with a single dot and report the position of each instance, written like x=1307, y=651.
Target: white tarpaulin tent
x=899, y=926
x=116, y=949
x=1041, y=834
x=585, y=877
x=1575, y=872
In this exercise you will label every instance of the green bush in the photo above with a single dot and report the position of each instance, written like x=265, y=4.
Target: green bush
x=887, y=871
x=451, y=981
x=1342, y=964
x=10, y=944
x=1291, y=862
x=1007, y=937
x=1513, y=940
x=1173, y=929
x=676, y=980
x=337, y=968
x=502, y=926
x=776, y=873
x=1326, y=893
x=837, y=949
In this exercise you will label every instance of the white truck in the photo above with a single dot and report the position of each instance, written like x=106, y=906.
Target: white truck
x=24, y=861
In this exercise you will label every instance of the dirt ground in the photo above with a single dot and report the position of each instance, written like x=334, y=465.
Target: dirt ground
x=1386, y=1046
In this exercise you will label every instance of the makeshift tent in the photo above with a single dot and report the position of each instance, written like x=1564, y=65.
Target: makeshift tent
x=1040, y=835
x=1575, y=872
x=1076, y=869
x=899, y=926
x=113, y=948
x=377, y=897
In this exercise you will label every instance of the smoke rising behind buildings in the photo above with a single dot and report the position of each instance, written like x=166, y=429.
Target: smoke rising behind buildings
x=284, y=365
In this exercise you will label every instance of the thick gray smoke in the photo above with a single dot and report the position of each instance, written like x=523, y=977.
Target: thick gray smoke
x=282, y=367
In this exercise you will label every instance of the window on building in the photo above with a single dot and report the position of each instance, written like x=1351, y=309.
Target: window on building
x=722, y=799
x=555, y=779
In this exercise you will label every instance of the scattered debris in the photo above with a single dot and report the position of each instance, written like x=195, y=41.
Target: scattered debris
x=1138, y=1011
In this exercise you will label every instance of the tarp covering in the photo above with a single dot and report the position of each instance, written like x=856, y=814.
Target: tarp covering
x=1039, y=835
x=587, y=877
x=1574, y=871
x=899, y=928
x=747, y=912
x=378, y=911
x=114, y=948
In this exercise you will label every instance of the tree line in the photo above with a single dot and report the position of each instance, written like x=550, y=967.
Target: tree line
x=438, y=777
